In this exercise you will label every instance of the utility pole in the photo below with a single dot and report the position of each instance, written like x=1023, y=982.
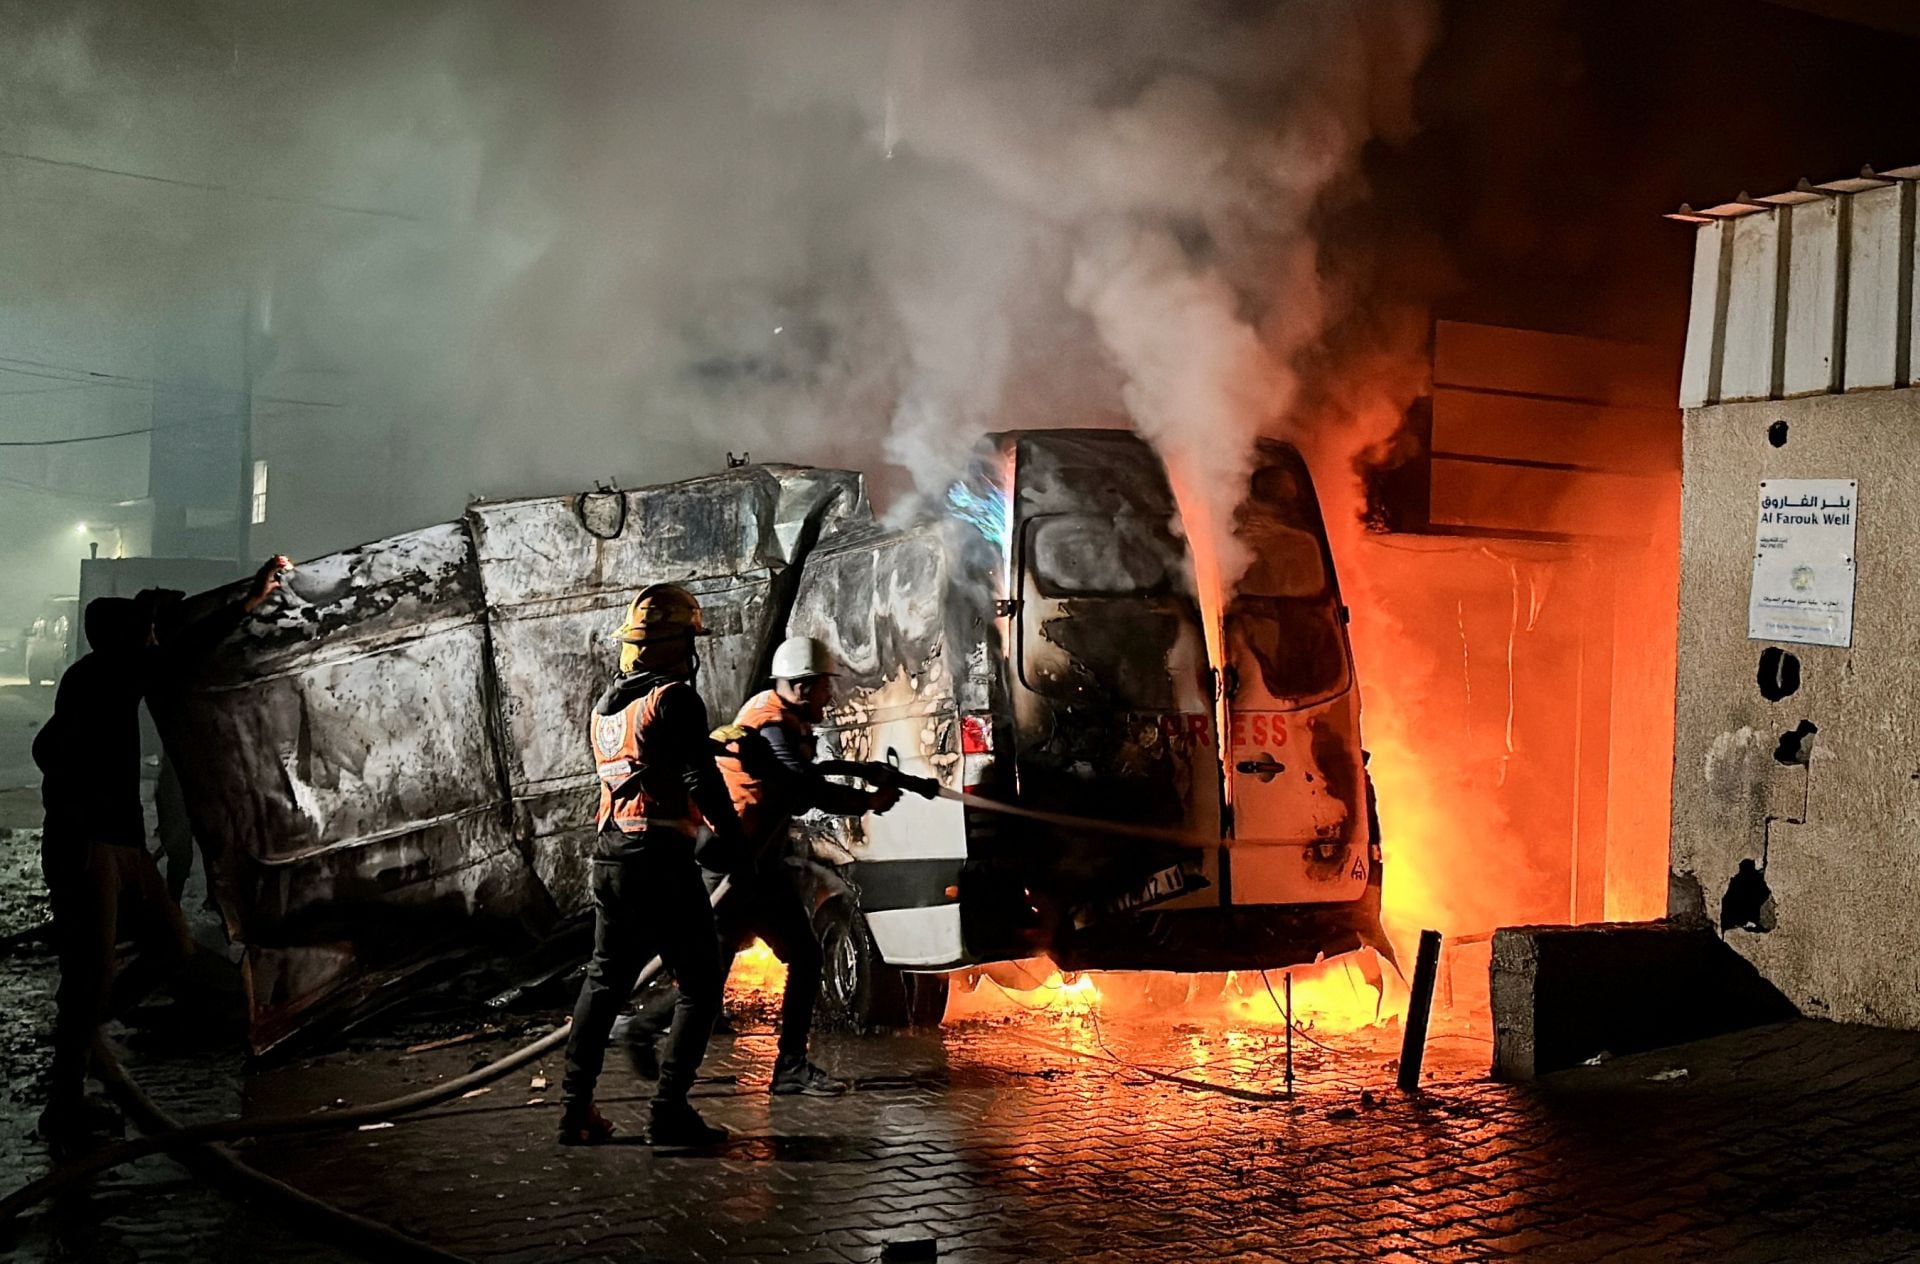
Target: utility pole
x=243, y=520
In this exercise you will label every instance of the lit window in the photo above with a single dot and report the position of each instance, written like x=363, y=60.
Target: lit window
x=259, y=492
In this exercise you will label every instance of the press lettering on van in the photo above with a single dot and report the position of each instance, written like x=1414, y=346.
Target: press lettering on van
x=1259, y=728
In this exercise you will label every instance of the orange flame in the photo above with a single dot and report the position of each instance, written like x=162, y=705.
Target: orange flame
x=1339, y=995
x=1462, y=840
x=756, y=973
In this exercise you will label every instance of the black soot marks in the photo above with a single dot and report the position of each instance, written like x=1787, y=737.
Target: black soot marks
x=1796, y=745
x=1777, y=434
x=1779, y=674
x=1748, y=903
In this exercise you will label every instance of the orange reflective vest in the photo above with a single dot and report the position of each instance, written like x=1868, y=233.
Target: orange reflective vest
x=620, y=760
x=745, y=786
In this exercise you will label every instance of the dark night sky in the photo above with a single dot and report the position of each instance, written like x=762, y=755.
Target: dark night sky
x=1555, y=134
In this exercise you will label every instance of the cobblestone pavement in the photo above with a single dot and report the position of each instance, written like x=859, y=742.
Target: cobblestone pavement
x=1060, y=1138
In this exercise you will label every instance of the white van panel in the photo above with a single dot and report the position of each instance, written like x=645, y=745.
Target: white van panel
x=919, y=937
x=917, y=829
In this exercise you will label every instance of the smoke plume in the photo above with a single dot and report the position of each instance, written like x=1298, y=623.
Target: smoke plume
x=512, y=248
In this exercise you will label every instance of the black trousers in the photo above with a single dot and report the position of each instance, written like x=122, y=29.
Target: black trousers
x=763, y=903
x=96, y=890
x=649, y=902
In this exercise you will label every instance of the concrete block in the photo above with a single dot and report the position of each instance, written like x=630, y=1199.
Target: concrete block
x=1562, y=994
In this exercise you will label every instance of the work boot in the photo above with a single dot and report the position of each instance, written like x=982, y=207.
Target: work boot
x=584, y=1125
x=643, y=1055
x=674, y=1122
x=793, y=1074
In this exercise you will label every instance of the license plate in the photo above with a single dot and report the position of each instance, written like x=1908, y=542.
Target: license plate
x=1164, y=885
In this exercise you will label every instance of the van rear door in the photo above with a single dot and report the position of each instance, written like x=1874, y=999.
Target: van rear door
x=1112, y=715
x=1296, y=782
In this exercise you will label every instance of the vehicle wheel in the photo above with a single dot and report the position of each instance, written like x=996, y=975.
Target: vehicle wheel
x=859, y=991
x=852, y=994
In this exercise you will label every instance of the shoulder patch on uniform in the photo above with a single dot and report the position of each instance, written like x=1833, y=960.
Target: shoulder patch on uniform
x=729, y=733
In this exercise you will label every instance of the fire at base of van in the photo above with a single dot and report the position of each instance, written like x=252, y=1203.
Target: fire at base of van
x=400, y=769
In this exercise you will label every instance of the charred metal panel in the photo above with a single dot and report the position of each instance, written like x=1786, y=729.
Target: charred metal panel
x=339, y=752
x=1075, y=644
x=394, y=754
x=558, y=574
x=1111, y=699
x=889, y=606
x=881, y=603
x=1086, y=471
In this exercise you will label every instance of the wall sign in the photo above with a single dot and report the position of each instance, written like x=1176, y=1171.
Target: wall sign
x=1803, y=562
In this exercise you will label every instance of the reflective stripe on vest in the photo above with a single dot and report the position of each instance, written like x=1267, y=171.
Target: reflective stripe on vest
x=619, y=758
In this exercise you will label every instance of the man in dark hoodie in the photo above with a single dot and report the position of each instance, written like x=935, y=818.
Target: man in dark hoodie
x=93, y=848
x=658, y=780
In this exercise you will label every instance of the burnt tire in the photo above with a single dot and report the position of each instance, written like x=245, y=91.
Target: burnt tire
x=859, y=991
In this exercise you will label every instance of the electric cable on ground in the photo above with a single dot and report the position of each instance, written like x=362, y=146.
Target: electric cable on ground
x=1301, y=1031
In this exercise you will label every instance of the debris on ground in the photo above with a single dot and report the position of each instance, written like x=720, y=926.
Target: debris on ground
x=23, y=892
x=1677, y=1073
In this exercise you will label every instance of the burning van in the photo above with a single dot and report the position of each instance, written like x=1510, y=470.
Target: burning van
x=392, y=766
x=1041, y=653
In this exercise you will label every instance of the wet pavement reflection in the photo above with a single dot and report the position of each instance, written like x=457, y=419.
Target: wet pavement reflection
x=1083, y=1133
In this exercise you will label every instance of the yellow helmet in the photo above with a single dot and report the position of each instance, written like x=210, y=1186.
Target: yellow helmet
x=659, y=630
x=661, y=612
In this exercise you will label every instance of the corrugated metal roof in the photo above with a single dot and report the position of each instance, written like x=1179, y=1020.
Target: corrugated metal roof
x=1805, y=191
x=1805, y=292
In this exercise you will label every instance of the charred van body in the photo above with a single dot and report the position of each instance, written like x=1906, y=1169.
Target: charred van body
x=391, y=760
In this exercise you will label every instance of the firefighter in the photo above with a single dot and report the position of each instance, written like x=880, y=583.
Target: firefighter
x=93, y=848
x=658, y=779
x=771, y=775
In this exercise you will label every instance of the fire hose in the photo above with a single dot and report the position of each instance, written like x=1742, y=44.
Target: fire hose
x=889, y=774
x=165, y=1136
x=1121, y=829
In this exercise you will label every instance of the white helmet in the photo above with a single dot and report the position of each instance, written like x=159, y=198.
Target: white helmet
x=802, y=658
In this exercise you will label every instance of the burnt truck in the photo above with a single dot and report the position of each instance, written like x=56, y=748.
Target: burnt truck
x=392, y=766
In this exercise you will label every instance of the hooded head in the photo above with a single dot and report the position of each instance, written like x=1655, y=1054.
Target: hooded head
x=117, y=625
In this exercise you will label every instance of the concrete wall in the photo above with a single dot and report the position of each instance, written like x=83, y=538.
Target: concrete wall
x=1843, y=935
